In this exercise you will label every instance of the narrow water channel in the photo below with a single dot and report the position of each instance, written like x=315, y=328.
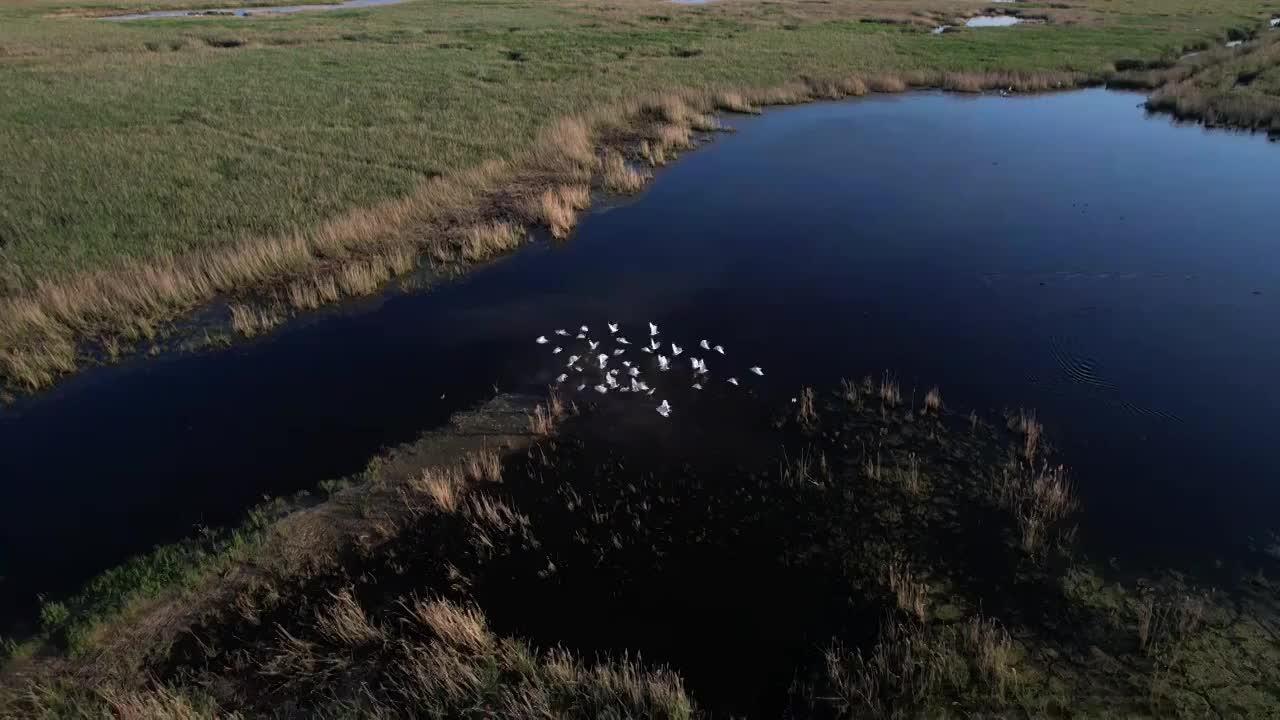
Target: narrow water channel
x=1062, y=252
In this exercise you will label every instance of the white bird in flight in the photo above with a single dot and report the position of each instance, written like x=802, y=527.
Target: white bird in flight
x=653, y=329
x=663, y=363
x=582, y=387
x=611, y=381
x=542, y=340
x=581, y=336
x=634, y=372
x=704, y=345
x=757, y=370
x=653, y=345
x=664, y=409
x=626, y=363
x=676, y=349
x=593, y=345
x=562, y=378
x=719, y=349
x=577, y=368
x=573, y=359
x=635, y=386
x=618, y=352
x=562, y=333
x=557, y=351
x=733, y=381
x=613, y=327
x=697, y=386
x=623, y=341
x=602, y=389
x=602, y=359
x=584, y=328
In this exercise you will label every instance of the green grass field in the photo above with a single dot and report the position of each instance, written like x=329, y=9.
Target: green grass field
x=174, y=135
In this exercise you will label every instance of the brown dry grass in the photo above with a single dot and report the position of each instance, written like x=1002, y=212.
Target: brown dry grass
x=806, y=411
x=249, y=321
x=933, y=400
x=620, y=177
x=890, y=392
x=1040, y=499
x=911, y=594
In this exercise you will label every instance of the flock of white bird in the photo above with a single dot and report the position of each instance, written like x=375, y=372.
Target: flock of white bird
x=626, y=376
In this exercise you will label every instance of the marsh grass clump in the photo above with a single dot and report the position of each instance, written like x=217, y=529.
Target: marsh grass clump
x=485, y=240
x=1040, y=500
x=933, y=400
x=484, y=466
x=557, y=208
x=908, y=475
x=620, y=177
x=810, y=467
x=1026, y=425
x=890, y=391
x=251, y=320
x=1165, y=624
x=806, y=411
x=911, y=594
x=735, y=102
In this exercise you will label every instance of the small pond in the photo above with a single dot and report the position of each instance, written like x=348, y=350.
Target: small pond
x=1062, y=252
x=992, y=21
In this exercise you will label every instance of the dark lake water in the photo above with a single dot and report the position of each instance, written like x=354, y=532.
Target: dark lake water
x=1118, y=273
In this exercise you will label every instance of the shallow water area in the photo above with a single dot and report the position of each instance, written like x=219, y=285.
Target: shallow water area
x=982, y=21
x=1122, y=280
x=247, y=11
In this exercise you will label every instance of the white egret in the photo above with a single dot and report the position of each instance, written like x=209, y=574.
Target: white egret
x=663, y=363
x=732, y=381
x=719, y=349
x=664, y=409
x=704, y=345
x=562, y=333
x=697, y=386
x=618, y=352
x=613, y=371
x=676, y=349
x=644, y=386
x=613, y=327
x=562, y=378
x=611, y=381
x=581, y=336
x=593, y=345
x=634, y=372
x=573, y=359
x=623, y=341
x=582, y=387
x=757, y=370
x=650, y=393
x=653, y=329
x=653, y=345
x=647, y=349
x=635, y=386
x=602, y=389
x=626, y=363
x=542, y=340
x=602, y=359
x=584, y=328
x=577, y=368
x=557, y=351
